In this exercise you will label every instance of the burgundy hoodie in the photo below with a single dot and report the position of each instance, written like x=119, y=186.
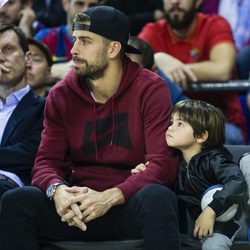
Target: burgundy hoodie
x=96, y=145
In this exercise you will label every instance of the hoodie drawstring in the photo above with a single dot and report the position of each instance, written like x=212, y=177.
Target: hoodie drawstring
x=95, y=137
x=113, y=122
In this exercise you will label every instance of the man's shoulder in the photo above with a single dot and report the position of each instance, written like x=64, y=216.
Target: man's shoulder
x=33, y=99
x=157, y=26
x=212, y=21
x=64, y=84
x=147, y=80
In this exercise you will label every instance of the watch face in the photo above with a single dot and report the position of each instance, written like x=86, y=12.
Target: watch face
x=50, y=191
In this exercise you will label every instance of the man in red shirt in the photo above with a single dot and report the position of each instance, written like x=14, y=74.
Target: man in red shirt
x=190, y=47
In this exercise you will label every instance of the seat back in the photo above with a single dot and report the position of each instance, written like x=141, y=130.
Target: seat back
x=238, y=151
x=136, y=244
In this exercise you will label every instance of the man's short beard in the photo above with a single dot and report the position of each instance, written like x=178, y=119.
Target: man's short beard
x=92, y=72
x=183, y=24
x=95, y=70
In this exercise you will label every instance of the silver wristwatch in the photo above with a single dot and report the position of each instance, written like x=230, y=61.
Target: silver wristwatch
x=52, y=189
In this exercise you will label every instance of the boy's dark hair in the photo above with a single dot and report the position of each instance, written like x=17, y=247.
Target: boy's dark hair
x=23, y=2
x=202, y=117
x=43, y=48
x=146, y=49
x=20, y=35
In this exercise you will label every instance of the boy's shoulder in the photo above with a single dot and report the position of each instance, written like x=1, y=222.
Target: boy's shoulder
x=220, y=150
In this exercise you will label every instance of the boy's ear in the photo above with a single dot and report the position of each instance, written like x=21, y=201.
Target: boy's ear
x=202, y=138
x=28, y=59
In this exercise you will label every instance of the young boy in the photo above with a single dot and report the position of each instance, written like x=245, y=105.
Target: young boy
x=197, y=132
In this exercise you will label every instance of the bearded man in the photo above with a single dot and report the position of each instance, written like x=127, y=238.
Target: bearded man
x=105, y=117
x=194, y=47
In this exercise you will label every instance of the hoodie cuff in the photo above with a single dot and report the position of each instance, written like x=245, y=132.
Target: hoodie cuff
x=127, y=189
x=217, y=207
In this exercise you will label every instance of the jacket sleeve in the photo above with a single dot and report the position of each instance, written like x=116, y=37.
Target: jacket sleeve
x=234, y=185
x=19, y=155
x=51, y=163
x=162, y=167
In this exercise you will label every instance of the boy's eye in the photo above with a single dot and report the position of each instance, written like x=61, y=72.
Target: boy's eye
x=180, y=124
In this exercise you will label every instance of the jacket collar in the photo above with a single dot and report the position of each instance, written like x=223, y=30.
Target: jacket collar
x=22, y=110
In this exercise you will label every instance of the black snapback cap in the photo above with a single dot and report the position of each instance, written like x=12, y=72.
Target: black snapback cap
x=110, y=23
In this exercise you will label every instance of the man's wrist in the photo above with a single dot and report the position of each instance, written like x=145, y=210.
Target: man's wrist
x=114, y=196
x=51, y=190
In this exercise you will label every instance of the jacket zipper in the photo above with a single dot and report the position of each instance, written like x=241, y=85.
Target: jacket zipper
x=188, y=176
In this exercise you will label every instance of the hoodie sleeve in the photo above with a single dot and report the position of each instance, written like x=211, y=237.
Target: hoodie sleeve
x=155, y=111
x=51, y=162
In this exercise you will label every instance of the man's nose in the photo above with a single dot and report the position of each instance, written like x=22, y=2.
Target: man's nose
x=2, y=59
x=74, y=50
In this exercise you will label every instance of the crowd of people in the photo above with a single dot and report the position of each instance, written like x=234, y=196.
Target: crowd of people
x=99, y=129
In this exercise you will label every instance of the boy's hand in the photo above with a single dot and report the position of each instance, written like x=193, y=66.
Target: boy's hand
x=139, y=168
x=204, y=224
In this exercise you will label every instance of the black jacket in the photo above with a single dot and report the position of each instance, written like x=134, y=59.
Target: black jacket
x=22, y=136
x=208, y=168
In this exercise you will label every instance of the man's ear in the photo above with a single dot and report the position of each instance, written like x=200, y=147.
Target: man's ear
x=114, y=49
x=48, y=75
x=201, y=139
x=198, y=4
x=28, y=3
x=65, y=4
x=28, y=59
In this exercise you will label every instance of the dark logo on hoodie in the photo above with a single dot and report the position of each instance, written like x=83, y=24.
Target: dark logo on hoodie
x=112, y=130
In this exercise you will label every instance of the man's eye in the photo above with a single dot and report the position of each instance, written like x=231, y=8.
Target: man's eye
x=85, y=42
x=180, y=124
x=8, y=49
x=93, y=5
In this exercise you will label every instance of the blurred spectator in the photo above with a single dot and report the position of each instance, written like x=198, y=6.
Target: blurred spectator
x=38, y=73
x=146, y=59
x=20, y=13
x=49, y=13
x=191, y=47
x=210, y=6
x=59, y=40
x=237, y=14
x=139, y=12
